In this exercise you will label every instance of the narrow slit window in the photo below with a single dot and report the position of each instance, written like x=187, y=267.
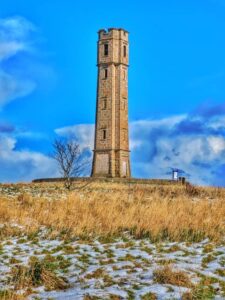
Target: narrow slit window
x=104, y=134
x=106, y=73
x=104, y=105
x=124, y=51
x=106, y=49
x=124, y=101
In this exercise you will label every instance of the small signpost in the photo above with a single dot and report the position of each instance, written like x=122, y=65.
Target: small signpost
x=175, y=174
x=178, y=175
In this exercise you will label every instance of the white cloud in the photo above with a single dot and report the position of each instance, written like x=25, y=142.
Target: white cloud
x=14, y=36
x=17, y=80
x=218, y=123
x=141, y=125
x=161, y=144
x=15, y=27
x=156, y=146
x=217, y=144
x=169, y=121
x=23, y=165
x=8, y=49
x=83, y=133
x=12, y=88
x=6, y=143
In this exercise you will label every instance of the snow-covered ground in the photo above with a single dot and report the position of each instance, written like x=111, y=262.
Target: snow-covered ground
x=116, y=268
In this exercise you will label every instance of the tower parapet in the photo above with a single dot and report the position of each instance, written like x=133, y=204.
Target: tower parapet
x=112, y=32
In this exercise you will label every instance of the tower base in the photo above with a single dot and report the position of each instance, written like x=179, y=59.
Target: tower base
x=111, y=163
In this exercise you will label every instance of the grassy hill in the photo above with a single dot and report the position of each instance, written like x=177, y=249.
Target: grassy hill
x=112, y=240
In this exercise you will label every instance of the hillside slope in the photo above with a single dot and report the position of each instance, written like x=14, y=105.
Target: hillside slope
x=105, y=240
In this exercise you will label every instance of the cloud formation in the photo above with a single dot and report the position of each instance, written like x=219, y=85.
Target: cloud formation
x=194, y=143
x=17, y=161
x=23, y=165
x=82, y=133
x=16, y=38
x=12, y=87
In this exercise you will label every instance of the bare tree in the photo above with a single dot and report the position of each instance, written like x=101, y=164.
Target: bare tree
x=70, y=160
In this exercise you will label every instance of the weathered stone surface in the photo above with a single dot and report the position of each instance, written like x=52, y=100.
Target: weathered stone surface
x=111, y=131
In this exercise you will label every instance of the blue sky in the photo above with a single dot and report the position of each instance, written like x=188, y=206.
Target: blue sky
x=176, y=83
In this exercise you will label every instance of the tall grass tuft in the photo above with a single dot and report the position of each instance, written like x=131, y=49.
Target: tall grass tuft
x=167, y=275
x=37, y=273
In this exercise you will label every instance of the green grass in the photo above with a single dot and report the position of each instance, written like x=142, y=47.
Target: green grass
x=149, y=296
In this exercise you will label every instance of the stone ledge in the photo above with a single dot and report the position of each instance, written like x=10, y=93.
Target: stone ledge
x=112, y=180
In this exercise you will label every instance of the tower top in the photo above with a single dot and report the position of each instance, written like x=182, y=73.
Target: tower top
x=110, y=32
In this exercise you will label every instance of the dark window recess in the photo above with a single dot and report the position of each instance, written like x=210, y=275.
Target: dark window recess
x=104, y=106
x=104, y=134
x=124, y=51
x=106, y=49
x=106, y=73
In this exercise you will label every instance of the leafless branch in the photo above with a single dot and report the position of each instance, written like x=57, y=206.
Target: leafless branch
x=70, y=159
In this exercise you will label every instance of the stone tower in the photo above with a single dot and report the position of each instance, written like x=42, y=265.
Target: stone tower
x=111, y=150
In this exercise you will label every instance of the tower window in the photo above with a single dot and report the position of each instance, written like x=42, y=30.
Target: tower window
x=104, y=134
x=105, y=73
x=124, y=74
x=124, y=51
x=104, y=103
x=106, y=49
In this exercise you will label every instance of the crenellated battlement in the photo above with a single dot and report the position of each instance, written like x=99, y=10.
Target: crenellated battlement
x=113, y=33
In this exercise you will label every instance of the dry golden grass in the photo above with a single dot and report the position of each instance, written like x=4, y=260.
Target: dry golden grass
x=167, y=275
x=11, y=295
x=158, y=211
x=35, y=274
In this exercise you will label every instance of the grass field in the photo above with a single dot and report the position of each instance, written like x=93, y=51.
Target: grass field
x=112, y=241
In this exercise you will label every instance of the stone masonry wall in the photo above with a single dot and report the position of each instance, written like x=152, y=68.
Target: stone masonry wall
x=111, y=132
